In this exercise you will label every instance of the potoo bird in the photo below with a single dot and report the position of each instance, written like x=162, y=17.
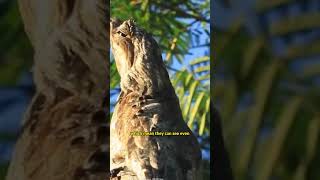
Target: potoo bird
x=147, y=104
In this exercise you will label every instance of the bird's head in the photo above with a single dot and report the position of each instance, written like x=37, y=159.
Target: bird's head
x=138, y=58
x=122, y=46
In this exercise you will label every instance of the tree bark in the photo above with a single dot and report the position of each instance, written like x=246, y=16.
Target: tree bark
x=65, y=130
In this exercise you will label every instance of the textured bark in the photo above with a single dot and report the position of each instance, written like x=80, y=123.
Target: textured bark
x=65, y=133
x=147, y=103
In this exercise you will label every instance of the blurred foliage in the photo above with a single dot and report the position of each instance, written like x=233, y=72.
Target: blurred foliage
x=270, y=103
x=15, y=49
x=5, y=137
x=3, y=171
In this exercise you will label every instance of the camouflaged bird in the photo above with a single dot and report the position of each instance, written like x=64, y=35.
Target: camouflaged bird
x=147, y=103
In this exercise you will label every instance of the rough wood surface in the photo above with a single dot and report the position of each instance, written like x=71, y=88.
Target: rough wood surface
x=147, y=103
x=65, y=133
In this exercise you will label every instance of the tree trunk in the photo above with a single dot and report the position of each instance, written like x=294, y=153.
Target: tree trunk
x=65, y=130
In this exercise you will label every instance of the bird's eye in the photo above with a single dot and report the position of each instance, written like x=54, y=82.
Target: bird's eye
x=122, y=34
